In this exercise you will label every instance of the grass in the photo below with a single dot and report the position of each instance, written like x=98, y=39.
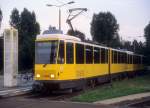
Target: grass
x=120, y=88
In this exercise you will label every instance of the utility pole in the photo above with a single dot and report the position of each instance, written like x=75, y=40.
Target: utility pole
x=59, y=6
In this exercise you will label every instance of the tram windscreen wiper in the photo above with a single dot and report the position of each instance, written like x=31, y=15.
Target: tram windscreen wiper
x=44, y=65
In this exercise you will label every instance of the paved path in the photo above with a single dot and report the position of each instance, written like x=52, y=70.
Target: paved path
x=124, y=98
x=26, y=102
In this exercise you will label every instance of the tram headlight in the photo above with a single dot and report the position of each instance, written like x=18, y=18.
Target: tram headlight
x=52, y=75
x=38, y=75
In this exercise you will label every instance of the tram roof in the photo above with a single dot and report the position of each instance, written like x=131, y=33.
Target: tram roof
x=57, y=36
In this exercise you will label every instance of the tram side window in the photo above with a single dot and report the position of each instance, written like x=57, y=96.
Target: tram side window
x=141, y=60
x=79, y=53
x=122, y=58
x=134, y=60
x=89, y=54
x=131, y=57
x=112, y=57
x=103, y=55
x=128, y=59
x=118, y=57
x=125, y=58
x=96, y=55
x=69, y=53
x=115, y=56
x=106, y=54
x=61, y=59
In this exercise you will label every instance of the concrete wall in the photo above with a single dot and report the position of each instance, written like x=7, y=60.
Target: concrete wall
x=10, y=57
x=1, y=55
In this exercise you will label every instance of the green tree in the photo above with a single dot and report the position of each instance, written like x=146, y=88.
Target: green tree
x=104, y=27
x=15, y=18
x=135, y=46
x=116, y=42
x=76, y=33
x=28, y=28
x=127, y=45
x=147, y=37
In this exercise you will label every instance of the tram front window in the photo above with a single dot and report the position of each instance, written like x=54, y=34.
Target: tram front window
x=45, y=52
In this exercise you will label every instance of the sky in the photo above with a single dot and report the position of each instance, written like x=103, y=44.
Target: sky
x=132, y=15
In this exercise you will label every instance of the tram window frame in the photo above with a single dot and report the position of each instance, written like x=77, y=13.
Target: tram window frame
x=61, y=53
x=69, y=53
x=79, y=53
x=89, y=54
x=96, y=55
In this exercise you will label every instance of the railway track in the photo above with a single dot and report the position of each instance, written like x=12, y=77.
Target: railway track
x=60, y=95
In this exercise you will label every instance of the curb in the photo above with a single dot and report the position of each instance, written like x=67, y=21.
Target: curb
x=123, y=99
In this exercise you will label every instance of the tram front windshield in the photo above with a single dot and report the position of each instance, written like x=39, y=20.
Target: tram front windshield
x=45, y=52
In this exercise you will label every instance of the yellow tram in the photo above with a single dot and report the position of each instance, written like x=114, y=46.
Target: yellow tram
x=63, y=61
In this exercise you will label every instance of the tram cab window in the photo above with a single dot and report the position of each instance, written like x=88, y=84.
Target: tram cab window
x=96, y=55
x=61, y=59
x=45, y=52
x=103, y=55
x=69, y=53
x=89, y=54
x=79, y=53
